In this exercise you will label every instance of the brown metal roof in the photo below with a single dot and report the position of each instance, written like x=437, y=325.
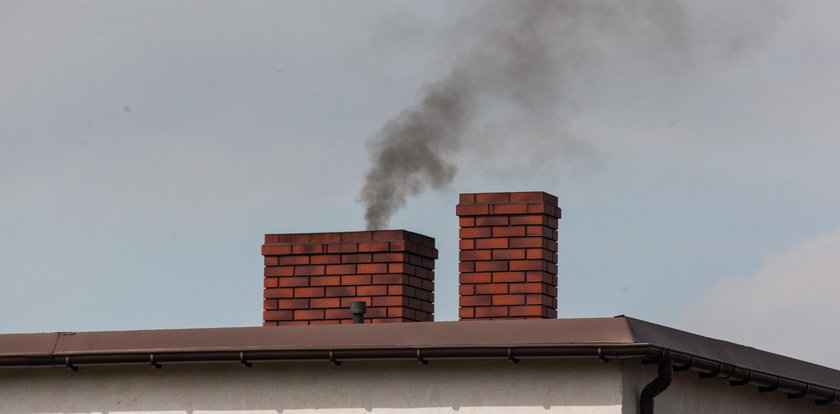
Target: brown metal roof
x=605, y=338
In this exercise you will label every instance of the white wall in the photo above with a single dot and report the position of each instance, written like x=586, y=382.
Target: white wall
x=464, y=387
x=690, y=394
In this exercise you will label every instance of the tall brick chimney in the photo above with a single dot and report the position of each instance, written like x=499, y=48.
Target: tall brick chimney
x=312, y=278
x=508, y=255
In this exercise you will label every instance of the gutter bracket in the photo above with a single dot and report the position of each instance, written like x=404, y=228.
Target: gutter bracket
x=70, y=366
x=335, y=362
x=743, y=381
x=829, y=400
x=152, y=361
x=244, y=361
x=792, y=395
x=771, y=388
x=420, y=359
x=512, y=358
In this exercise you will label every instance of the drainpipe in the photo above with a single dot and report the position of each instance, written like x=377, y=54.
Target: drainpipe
x=657, y=386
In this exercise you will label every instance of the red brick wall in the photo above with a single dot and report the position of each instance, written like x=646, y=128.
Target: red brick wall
x=312, y=278
x=508, y=255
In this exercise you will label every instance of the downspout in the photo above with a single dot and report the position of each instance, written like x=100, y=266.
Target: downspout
x=657, y=386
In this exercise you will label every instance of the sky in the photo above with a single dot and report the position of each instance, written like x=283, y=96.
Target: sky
x=147, y=147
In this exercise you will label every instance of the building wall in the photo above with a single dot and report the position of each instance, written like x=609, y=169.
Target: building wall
x=690, y=394
x=464, y=387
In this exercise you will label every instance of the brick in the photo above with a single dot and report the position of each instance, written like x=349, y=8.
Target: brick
x=527, y=242
x=356, y=280
x=269, y=323
x=475, y=300
x=465, y=267
x=466, y=313
x=492, y=220
x=376, y=313
x=389, y=279
x=533, y=220
x=532, y=196
x=516, y=265
x=466, y=198
x=531, y=310
x=389, y=235
x=372, y=290
x=276, y=249
x=270, y=282
x=372, y=268
x=540, y=231
x=293, y=260
x=325, y=281
x=492, y=197
x=325, y=303
x=466, y=244
x=509, y=231
x=309, y=270
x=325, y=259
x=401, y=290
x=277, y=315
x=342, y=248
x=392, y=257
x=475, y=277
x=401, y=268
x=269, y=304
x=492, y=289
x=508, y=254
x=540, y=208
x=309, y=314
x=472, y=209
x=530, y=288
x=514, y=208
x=279, y=271
x=508, y=300
x=340, y=291
x=491, y=266
x=378, y=246
x=475, y=255
x=356, y=236
x=309, y=292
x=400, y=312
x=540, y=254
x=501, y=243
x=491, y=312
x=475, y=232
x=308, y=249
x=324, y=322
x=288, y=238
x=389, y=301
x=292, y=303
x=508, y=277
x=345, y=269
x=325, y=237
x=541, y=277
x=466, y=289
x=294, y=281
x=291, y=323
x=270, y=261
x=278, y=293
x=537, y=299
x=357, y=258
x=466, y=221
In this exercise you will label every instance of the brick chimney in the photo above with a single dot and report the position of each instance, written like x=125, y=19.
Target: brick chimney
x=508, y=255
x=312, y=278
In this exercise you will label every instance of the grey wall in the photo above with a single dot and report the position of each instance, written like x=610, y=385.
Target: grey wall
x=535, y=386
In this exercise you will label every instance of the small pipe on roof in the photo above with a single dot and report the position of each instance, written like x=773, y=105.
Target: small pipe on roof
x=657, y=386
x=358, y=309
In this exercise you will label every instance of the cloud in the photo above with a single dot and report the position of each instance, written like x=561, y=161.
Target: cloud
x=787, y=306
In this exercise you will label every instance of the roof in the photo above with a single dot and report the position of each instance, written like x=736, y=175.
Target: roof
x=605, y=338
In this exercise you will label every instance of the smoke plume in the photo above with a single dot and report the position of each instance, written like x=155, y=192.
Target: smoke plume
x=524, y=67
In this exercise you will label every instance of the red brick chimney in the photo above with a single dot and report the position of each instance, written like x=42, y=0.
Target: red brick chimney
x=508, y=255
x=312, y=278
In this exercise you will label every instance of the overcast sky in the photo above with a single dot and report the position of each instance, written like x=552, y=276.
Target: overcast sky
x=146, y=147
